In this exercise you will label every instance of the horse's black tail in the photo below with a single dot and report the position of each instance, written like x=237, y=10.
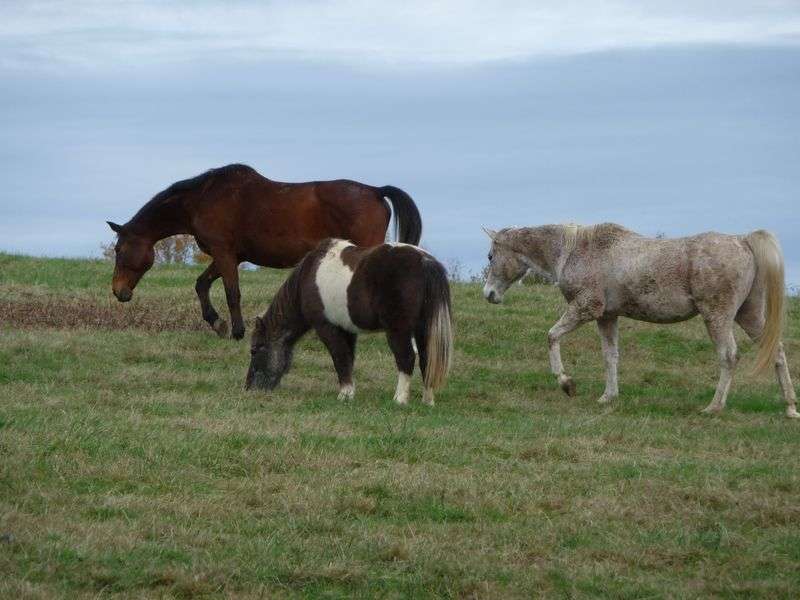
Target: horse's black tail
x=407, y=222
x=438, y=325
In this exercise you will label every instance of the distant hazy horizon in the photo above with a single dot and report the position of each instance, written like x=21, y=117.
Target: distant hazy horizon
x=670, y=118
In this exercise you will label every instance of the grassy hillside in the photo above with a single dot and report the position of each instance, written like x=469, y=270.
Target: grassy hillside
x=132, y=462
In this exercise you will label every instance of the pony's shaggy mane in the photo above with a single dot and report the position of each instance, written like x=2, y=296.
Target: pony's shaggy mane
x=286, y=303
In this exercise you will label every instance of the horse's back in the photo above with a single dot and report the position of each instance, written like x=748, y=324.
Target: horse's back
x=670, y=280
x=272, y=223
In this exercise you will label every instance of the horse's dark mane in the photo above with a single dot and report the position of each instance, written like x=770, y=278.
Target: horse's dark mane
x=284, y=311
x=188, y=185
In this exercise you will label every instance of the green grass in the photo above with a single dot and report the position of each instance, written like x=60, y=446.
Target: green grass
x=132, y=463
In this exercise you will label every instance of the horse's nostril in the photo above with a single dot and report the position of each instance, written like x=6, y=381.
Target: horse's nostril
x=123, y=295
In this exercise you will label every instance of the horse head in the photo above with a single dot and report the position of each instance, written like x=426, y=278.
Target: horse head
x=505, y=267
x=134, y=257
x=270, y=357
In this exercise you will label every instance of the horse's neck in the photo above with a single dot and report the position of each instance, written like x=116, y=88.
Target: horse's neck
x=285, y=314
x=162, y=220
x=543, y=247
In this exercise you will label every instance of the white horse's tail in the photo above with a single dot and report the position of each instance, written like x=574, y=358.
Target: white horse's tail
x=438, y=324
x=769, y=271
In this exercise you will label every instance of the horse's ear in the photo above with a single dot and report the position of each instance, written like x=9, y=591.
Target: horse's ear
x=114, y=227
x=491, y=233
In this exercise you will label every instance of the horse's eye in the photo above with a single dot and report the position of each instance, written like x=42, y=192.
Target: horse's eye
x=490, y=258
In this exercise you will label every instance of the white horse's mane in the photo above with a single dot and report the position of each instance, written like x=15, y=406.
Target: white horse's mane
x=574, y=232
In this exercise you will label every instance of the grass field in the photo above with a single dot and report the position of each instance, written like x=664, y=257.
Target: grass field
x=132, y=462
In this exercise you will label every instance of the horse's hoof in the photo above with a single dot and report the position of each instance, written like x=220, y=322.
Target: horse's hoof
x=605, y=399
x=428, y=397
x=238, y=333
x=346, y=392
x=567, y=385
x=711, y=410
x=220, y=326
x=792, y=413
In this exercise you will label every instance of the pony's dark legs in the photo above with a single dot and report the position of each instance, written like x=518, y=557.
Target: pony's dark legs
x=341, y=345
x=404, y=357
x=421, y=338
x=229, y=270
x=202, y=287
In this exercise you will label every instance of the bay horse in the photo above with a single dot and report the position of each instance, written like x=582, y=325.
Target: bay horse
x=237, y=215
x=606, y=271
x=341, y=290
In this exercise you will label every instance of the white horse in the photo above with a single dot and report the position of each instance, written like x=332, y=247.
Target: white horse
x=606, y=271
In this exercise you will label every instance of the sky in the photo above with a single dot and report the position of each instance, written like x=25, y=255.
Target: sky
x=669, y=117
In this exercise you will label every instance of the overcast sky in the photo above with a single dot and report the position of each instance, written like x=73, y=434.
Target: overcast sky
x=673, y=116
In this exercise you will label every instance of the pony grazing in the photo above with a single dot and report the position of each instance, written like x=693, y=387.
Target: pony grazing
x=236, y=215
x=341, y=290
x=606, y=271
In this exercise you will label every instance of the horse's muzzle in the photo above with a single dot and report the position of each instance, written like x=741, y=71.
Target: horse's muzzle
x=256, y=380
x=123, y=295
x=491, y=295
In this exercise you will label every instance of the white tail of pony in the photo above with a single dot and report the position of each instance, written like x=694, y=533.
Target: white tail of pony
x=440, y=346
x=769, y=272
x=438, y=324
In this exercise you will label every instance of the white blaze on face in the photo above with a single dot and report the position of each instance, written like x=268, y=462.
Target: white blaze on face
x=491, y=293
x=333, y=278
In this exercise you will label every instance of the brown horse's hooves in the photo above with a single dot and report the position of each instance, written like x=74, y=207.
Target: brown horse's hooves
x=221, y=327
x=568, y=386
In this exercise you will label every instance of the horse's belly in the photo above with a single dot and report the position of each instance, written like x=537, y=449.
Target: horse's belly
x=661, y=307
x=279, y=253
x=653, y=316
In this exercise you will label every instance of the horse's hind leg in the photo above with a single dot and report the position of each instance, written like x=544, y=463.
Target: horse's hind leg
x=404, y=357
x=202, y=287
x=785, y=381
x=421, y=340
x=609, y=337
x=229, y=269
x=751, y=318
x=720, y=329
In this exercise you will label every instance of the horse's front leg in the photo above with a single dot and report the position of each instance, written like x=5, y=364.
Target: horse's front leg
x=202, y=287
x=609, y=337
x=341, y=346
x=573, y=317
x=229, y=269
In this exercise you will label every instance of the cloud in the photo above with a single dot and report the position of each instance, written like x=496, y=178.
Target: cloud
x=97, y=33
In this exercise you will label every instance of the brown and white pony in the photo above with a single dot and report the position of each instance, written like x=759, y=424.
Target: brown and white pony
x=341, y=290
x=236, y=215
x=606, y=271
